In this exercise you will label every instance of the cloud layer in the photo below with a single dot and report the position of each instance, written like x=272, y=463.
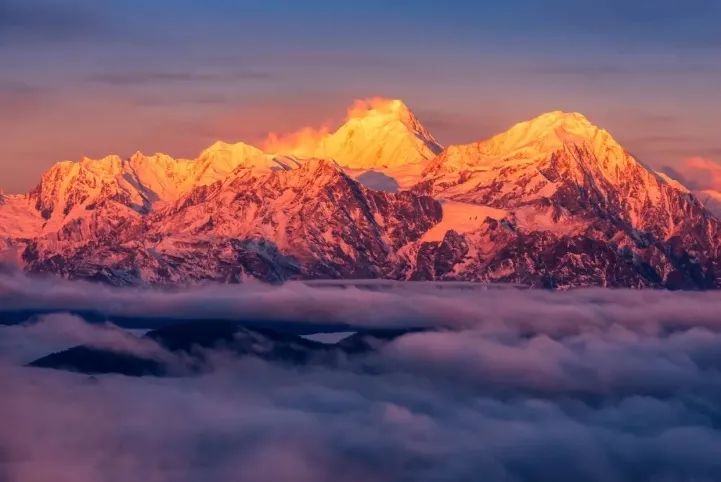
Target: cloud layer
x=698, y=174
x=595, y=385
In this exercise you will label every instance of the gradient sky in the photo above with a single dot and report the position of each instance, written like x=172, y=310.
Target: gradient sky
x=88, y=77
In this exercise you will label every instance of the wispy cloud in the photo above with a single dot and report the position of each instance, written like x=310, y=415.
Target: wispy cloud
x=18, y=98
x=697, y=173
x=671, y=23
x=17, y=87
x=50, y=21
x=625, y=67
x=164, y=77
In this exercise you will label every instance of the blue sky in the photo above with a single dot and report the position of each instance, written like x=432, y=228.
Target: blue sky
x=85, y=77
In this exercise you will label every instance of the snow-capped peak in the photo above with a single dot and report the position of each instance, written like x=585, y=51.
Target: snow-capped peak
x=218, y=161
x=377, y=133
x=537, y=139
x=549, y=132
x=227, y=156
x=380, y=111
x=555, y=128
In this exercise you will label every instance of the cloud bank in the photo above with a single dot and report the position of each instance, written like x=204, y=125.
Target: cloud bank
x=703, y=177
x=511, y=385
x=698, y=173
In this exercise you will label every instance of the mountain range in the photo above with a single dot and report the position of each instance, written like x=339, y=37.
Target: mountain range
x=552, y=202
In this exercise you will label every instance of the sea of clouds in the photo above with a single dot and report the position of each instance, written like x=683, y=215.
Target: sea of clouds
x=509, y=385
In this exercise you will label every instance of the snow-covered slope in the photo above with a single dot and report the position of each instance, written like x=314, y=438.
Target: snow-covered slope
x=18, y=218
x=462, y=218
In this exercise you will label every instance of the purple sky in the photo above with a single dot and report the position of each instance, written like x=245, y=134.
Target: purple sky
x=82, y=77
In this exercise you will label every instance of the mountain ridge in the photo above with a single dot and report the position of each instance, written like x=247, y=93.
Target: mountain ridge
x=554, y=201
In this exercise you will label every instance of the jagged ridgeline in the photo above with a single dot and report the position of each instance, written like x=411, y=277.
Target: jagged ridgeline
x=552, y=202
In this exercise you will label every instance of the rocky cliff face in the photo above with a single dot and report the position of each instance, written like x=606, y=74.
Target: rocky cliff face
x=552, y=202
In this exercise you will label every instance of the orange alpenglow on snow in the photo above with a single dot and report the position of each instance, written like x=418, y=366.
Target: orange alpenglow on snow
x=378, y=133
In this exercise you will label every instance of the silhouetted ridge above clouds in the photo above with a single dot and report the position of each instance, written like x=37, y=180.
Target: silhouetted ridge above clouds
x=94, y=361
x=184, y=349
